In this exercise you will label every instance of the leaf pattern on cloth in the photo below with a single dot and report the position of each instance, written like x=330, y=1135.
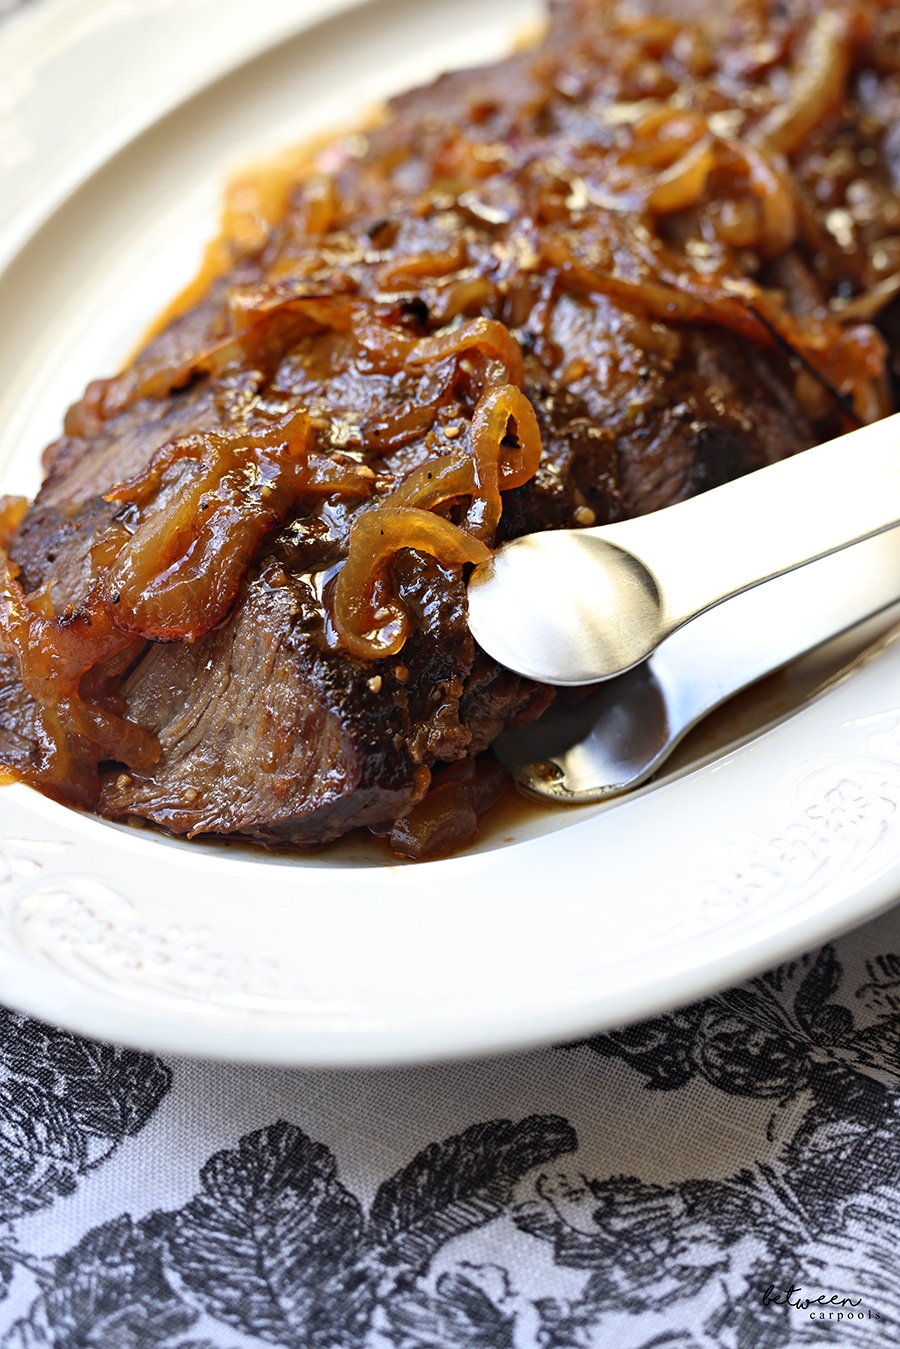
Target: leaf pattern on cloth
x=270, y=1245
x=648, y=1248
x=275, y=1249
x=108, y=1292
x=460, y=1184
x=766, y=1037
x=65, y=1105
x=458, y=1313
x=278, y=1248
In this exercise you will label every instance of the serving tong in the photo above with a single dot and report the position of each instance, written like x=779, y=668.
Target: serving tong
x=621, y=734
x=679, y=610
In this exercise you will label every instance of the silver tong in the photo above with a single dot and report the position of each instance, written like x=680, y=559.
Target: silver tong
x=686, y=586
x=574, y=606
x=624, y=730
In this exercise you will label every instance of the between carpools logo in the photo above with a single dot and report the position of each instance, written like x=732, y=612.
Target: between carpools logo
x=821, y=1307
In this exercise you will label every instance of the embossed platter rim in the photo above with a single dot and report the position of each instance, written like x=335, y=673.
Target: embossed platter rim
x=204, y=950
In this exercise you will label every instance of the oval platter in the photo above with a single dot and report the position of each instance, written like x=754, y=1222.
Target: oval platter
x=118, y=128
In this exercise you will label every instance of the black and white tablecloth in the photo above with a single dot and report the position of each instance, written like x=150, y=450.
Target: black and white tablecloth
x=725, y=1175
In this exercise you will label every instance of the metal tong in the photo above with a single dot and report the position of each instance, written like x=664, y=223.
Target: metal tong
x=623, y=732
x=576, y=606
x=678, y=611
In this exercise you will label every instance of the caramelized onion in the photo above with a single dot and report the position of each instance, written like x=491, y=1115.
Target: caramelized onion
x=817, y=87
x=770, y=184
x=684, y=182
x=488, y=337
x=870, y=304
x=370, y=621
x=644, y=296
x=54, y=652
x=734, y=303
x=319, y=207
x=269, y=321
x=12, y=512
x=435, y=483
x=382, y=348
x=664, y=123
x=178, y=574
x=372, y=627
x=446, y=819
x=494, y=466
x=498, y=464
x=463, y=296
x=400, y=272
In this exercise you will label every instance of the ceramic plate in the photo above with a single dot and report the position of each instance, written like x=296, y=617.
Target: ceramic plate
x=118, y=127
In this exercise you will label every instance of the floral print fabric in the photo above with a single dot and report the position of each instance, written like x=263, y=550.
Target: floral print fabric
x=724, y=1175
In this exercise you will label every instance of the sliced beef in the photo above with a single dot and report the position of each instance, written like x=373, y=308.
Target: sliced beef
x=266, y=732
x=669, y=344
x=16, y=718
x=269, y=732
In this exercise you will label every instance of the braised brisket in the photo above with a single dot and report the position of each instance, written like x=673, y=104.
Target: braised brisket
x=476, y=198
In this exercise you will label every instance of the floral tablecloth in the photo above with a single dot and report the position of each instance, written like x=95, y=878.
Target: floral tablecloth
x=724, y=1175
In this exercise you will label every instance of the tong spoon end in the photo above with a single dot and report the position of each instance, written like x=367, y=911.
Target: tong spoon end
x=546, y=780
x=565, y=607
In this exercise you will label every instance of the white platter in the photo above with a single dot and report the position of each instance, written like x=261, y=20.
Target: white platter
x=560, y=925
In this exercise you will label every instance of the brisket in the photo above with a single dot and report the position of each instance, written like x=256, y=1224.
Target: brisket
x=473, y=200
